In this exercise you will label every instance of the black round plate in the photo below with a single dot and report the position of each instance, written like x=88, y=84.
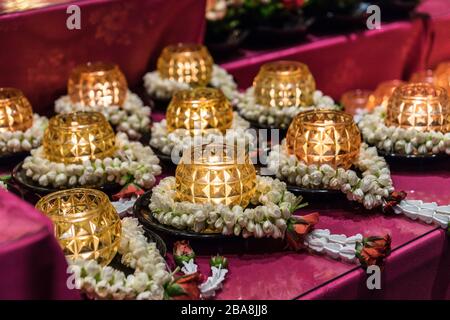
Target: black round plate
x=412, y=156
x=7, y=158
x=145, y=217
x=21, y=179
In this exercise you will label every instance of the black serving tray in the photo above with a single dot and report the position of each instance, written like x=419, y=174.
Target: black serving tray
x=204, y=243
x=26, y=188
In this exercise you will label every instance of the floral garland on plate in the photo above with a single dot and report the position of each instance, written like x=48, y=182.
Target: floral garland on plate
x=20, y=141
x=180, y=139
x=400, y=140
x=370, y=189
x=270, y=217
x=131, y=163
x=105, y=282
x=165, y=88
x=133, y=117
x=278, y=117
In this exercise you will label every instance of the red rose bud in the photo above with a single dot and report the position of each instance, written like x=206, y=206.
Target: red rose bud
x=182, y=252
x=298, y=228
x=219, y=262
x=373, y=250
x=184, y=288
x=130, y=190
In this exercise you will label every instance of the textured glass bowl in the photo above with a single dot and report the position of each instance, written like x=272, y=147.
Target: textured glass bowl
x=97, y=84
x=16, y=113
x=79, y=136
x=187, y=63
x=284, y=84
x=421, y=106
x=423, y=76
x=382, y=94
x=355, y=99
x=85, y=223
x=324, y=137
x=442, y=76
x=199, y=110
x=215, y=174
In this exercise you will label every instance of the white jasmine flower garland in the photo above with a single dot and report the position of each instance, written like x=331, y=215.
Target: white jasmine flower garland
x=148, y=280
x=133, y=117
x=274, y=206
x=336, y=246
x=18, y=141
x=132, y=162
x=278, y=117
x=164, y=88
x=430, y=213
x=370, y=189
x=400, y=140
x=181, y=139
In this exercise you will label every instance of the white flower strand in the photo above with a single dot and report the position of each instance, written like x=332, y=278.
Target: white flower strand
x=131, y=160
x=370, y=189
x=212, y=284
x=274, y=206
x=278, y=117
x=133, y=117
x=164, y=88
x=336, y=246
x=18, y=141
x=401, y=140
x=148, y=280
x=181, y=139
x=426, y=212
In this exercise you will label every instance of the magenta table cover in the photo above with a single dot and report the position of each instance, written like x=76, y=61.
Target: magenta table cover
x=38, y=51
x=345, y=62
x=32, y=265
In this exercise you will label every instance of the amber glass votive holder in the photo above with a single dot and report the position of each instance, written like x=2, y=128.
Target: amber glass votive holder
x=442, y=76
x=422, y=106
x=284, y=84
x=85, y=223
x=216, y=174
x=199, y=110
x=79, y=136
x=16, y=113
x=355, y=99
x=382, y=94
x=187, y=63
x=97, y=84
x=324, y=137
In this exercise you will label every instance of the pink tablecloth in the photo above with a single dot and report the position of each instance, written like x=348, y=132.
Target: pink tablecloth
x=32, y=265
x=38, y=50
x=344, y=62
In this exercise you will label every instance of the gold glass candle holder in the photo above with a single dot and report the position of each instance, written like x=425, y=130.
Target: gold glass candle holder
x=199, y=110
x=215, y=174
x=426, y=76
x=85, y=223
x=355, y=99
x=16, y=113
x=442, y=76
x=284, y=84
x=187, y=63
x=421, y=106
x=79, y=136
x=324, y=137
x=97, y=84
x=382, y=94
